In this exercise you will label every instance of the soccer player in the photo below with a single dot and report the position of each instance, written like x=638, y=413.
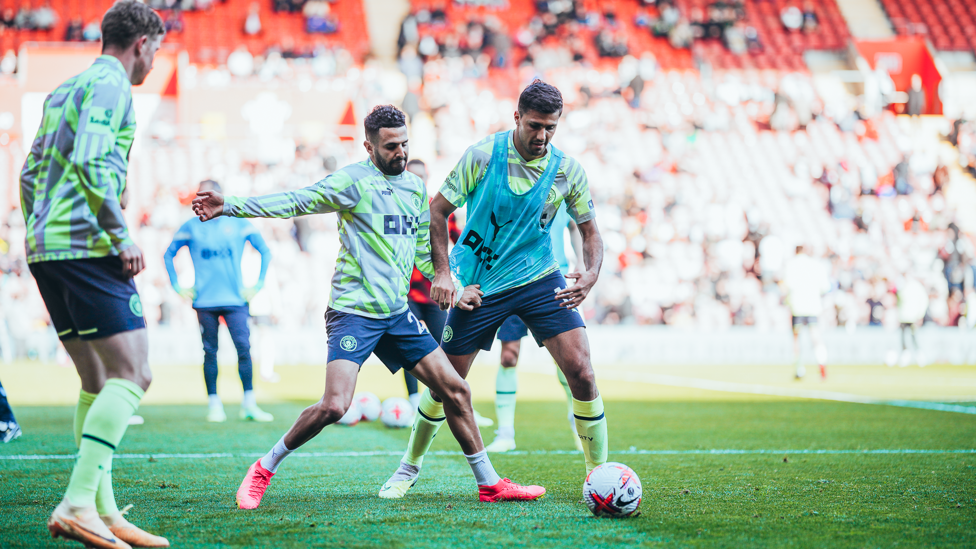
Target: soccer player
x=424, y=308
x=510, y=334
x=383, y=229
x=9, y=429
x=806, y=282
x=83, y=259
x=218, y=291
x=514, y=183
x=913, y=303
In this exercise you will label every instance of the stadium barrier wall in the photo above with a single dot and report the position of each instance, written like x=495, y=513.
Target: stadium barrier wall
x=630, y=345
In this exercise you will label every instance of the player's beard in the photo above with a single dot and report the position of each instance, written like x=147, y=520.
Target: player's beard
x=392, y=168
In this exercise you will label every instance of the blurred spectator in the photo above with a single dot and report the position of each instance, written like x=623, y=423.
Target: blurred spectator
x=318, y=19
x=74, y=31
x=240, y=62
x=8, y=65
x=174, y=21
x=252, y=25
x=916, y=97
x=93, y=31
x=24, y=18
x=810, y=21
x=45, y=17
x=792, y=18
x=7, y=18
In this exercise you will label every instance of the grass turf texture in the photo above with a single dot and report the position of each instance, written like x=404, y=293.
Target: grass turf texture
x=922, y=500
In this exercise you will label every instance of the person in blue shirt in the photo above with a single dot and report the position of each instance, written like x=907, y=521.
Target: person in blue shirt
x=218, y=291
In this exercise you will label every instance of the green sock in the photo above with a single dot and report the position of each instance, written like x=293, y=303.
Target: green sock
x=569, y=394
x=591, y=424
x=429, y=420
x=102, y=430
x=506, y=384
x=105, y=496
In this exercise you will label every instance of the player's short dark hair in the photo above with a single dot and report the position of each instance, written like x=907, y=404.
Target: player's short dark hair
x=126, y=21
x=415, y=161
x=383, y=116
x=540, y=97
x=213, y=184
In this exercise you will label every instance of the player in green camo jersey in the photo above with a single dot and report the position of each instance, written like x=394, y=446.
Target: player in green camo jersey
x=384, y=218
x=83, y=260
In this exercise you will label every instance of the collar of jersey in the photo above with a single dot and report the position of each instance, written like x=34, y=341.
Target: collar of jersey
x=112, y=61
x=518, y=155
x=379, y=171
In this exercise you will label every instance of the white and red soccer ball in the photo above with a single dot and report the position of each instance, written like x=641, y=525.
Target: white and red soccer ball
x=397, y=413
x=369, y=404
x=352, y=415
x=612, y=490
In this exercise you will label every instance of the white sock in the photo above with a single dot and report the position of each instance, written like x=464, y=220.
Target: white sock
x=506, y=432
x=273, y=459
x=215, y=401
x=415, y=400
x=484, y=473
x=248, y=401
x=405, y=472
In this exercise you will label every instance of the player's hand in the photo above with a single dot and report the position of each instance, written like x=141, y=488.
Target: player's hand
x=132, y=261
x=249, y=293
x=573, y=296
x=208, y=205
x=442, y=291
x=471, y=298
x=188, y=293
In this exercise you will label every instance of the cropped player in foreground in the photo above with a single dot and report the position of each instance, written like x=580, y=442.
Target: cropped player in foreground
x=83, y=259
x=511, y=333
x=383, y=227
x=218, y=292
x=514, y=182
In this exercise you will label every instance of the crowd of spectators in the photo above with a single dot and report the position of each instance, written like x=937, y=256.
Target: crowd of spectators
x=42, y=18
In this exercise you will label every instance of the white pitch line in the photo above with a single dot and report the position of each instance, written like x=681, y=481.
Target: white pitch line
x=751, y=388
x=633, y=452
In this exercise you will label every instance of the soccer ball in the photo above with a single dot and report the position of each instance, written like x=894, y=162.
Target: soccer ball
x=352, y=415
x=369, y=404
x=612, y=490
x=397, y=413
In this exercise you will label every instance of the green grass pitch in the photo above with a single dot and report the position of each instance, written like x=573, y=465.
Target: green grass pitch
x=690, y=499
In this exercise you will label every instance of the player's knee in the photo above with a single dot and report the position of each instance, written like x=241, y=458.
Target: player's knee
x=460, y=393
x=328, y=412
x=509, y=359
x=581, y=375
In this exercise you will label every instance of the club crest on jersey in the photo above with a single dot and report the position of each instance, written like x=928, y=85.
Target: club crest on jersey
x=348, y=343
x=415, y=200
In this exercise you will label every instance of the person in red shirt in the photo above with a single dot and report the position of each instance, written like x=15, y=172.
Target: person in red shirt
x=423, y=307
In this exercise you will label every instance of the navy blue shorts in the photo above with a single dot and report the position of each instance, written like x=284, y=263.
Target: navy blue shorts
x=89, y=298
x=400, y=341
x=535, y=304
x=513, y=329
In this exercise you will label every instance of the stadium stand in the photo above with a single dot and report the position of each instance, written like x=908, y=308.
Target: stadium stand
x=950, y=24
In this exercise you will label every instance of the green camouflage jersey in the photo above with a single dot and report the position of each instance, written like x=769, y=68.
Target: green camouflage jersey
x=571, y=186
x=74, y=176
x=384, y=225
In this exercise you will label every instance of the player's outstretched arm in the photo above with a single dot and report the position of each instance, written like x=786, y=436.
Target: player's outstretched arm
x=593, y=260
x=442, y=289
x=208, y=205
